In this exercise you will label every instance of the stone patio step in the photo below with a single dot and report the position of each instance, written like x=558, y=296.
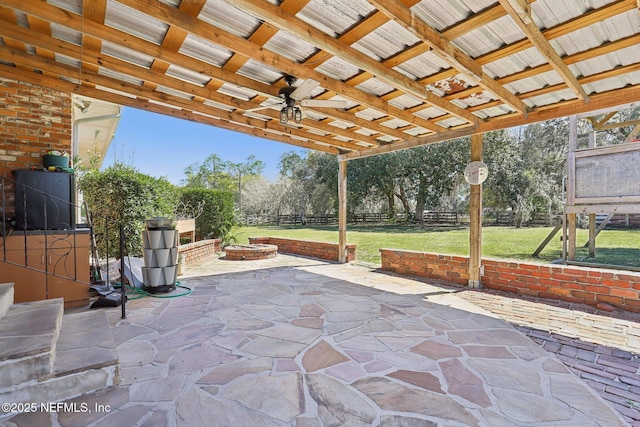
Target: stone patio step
x=85, y=361
x=28, y=335
x=6, y=298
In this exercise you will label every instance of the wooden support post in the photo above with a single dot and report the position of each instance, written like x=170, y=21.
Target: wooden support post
x=571, y=236
x=592, y=235
x=342, y=211
x=570, y=243
x=475, y=219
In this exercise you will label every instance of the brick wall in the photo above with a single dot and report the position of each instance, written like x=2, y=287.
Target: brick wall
x=322, y=250
x=198, y=251
x=450, y=268
x=583, y=285
x=33, y=121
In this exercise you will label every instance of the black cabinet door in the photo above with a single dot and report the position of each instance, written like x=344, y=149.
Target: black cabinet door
x=44, y=200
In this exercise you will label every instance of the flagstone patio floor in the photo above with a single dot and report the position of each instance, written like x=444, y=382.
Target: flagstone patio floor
x=292, y=341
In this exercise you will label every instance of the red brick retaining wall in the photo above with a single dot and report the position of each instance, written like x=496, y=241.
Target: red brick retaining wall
x=569, y=283
x=199, y=251
x=322, y=250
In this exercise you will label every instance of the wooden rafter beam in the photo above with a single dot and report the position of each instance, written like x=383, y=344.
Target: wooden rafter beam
x=95, y=79
x=624, y=96
x=474, y=21
x=171, y=16
x=15, y=32
x=159, y=107
x=588, y=18
x=272, y=14
x=447, y=51
x=154, y=78
x=520, y=12
x=53, y=13
x=263, y=34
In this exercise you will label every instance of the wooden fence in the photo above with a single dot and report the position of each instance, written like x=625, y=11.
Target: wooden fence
x=370, y=217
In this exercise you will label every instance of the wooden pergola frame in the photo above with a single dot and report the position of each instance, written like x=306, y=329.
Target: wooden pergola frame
x=186, y=60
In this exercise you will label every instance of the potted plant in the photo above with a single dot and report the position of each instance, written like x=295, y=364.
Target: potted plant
x=55, y=159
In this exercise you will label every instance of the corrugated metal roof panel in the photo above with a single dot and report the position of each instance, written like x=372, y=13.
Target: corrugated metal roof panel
x=334, y=17
x=611, y=29
x=117, y=92
x=65, y=33
x=120, y=76
x=290, y=46
x=385, y=41
x=550, y=78
x=341, y=124
x=74, y=6
x=126, y=54
x=187, y=75
x=365, y=132
x=229, y=18
x=451, y=122
x=529, y=58
x=218, y=105
x=613, y=83
x=237, y=91
x=423, y=65
x=493, y=112
x=133, y=22
x=395, y=123
x=205, y=50
x=416, y=131
x=174, y=3
x=64, y=59
x=490, y=37
x=406, y=101
x=375, y=87
x=338, y=69
x=550, y=98
x=314, y=115
x=442, y=14
x=171, y=91
x=370, y=114
x=260, y=72
x=429, y=112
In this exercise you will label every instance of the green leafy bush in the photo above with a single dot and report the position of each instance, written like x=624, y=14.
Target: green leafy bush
x=122, y=194
x=217, y=218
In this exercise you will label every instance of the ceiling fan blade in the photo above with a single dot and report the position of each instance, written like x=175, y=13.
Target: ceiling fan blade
x=304, y=89
x=328, y=103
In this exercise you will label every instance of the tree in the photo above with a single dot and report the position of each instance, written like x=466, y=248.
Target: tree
x=251, y=167
x=217, y=218
x=212, y=173
x=432, y=171
x=121, y=194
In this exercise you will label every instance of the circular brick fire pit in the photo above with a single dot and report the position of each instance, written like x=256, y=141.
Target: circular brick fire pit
x=250, y=252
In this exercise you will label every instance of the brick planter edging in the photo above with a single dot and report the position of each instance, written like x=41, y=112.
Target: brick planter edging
x=253, y=253
x=310, y=248
x=582, y=285
x=198, y=251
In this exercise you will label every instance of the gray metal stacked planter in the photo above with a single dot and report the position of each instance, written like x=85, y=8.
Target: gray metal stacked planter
x=160, y=255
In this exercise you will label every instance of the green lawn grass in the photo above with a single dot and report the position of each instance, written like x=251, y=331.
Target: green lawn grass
x=613, y=247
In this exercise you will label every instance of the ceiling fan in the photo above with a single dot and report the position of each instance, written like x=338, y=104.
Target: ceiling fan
x=293, y=100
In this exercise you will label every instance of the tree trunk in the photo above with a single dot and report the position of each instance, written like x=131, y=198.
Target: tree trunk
x=405, y=203
x=421, y=199
x=391, y=200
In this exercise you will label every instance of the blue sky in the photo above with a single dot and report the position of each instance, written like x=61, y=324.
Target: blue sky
x=160, y=145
